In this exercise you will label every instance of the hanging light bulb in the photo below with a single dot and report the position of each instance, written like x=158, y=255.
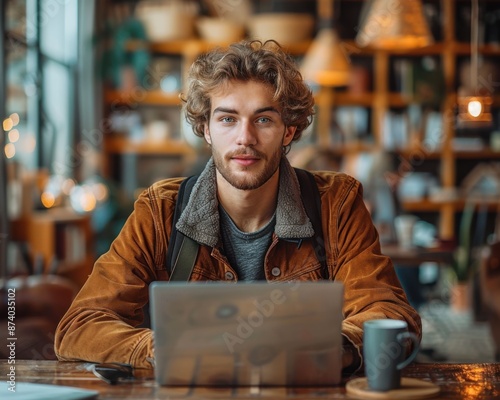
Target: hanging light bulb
x=474, y=108
x=474, y=111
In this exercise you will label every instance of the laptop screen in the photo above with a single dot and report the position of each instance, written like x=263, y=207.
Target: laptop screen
x=247, y=334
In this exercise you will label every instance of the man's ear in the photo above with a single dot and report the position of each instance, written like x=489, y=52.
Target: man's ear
x=206, y=134
x=289, y=134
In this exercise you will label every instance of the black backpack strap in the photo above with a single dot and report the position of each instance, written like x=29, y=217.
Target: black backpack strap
x=312, y=203
x=182, y=250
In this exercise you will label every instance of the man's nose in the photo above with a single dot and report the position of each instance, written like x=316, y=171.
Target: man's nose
x=246, y=134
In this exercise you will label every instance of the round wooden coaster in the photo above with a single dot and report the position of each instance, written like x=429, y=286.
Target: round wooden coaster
x=410, y=389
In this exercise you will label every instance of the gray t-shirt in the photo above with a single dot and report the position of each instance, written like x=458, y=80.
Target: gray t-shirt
x=246, y=251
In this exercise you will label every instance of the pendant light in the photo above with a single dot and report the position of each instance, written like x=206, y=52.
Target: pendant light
x=393, y=25
x=474, y=108
x=325, y=62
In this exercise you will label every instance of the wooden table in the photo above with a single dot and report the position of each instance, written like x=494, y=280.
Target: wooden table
x=457, y=381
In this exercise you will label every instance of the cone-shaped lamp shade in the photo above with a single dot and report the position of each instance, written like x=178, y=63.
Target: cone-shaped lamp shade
x=325, y=62
x=393, y=25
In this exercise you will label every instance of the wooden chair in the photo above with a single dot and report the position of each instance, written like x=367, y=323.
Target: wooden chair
x=40, y=302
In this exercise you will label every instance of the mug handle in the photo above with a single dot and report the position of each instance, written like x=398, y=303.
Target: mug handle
x=402, y=337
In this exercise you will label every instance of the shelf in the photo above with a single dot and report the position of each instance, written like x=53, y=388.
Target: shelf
x=459, y=48
x=197, y=46
x=434, y=49
x=458, y=154
x=464, y=49
x=174, y=47
x=187, y=46
x=354, y=147
x=429, y=205
x=350, y=99
x=478, y=154
x=415, y=256
x=398, y=100
x=394, y=99
x=141, y=96
x=158, y=97
x=495, y=99
x=58, y=237
x=123, y=145
x=424, y=205
x=420, y=152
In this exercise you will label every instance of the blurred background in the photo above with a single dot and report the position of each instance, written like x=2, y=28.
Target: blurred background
x=407, y=101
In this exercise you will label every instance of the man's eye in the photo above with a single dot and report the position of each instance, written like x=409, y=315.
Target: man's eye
x=263, y=120
x=227, y=119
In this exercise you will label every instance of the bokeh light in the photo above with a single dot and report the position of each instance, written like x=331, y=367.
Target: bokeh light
x=8, y=124
x=82, y=199
x=14, y=117
x=100, y=191
x=67, y=186
x=29, y=144
x=48, y=199
x=14, y=135
x=475, y=108
x=10, y=150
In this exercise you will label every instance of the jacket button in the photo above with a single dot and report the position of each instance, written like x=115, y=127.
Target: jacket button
x=276, y=271
x=229, y=276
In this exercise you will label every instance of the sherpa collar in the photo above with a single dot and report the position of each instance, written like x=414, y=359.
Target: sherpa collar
x=200, y=218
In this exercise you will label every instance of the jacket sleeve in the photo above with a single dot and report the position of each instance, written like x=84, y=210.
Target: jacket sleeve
x=372, y=289
x=102, y=324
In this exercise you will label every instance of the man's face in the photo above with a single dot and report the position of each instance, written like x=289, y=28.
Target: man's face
x=246, y=133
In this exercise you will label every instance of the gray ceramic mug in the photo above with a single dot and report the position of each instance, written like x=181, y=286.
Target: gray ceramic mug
x=384, y=351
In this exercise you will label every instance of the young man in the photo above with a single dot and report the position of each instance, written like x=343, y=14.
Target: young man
x=249, y=103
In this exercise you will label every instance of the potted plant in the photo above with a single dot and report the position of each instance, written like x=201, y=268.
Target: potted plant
x=464, y=260
x=123, y=58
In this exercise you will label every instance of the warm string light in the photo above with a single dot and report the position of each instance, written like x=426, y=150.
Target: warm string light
x=7, y=124
x=14, y=118
x=10, y=122
x=82, y=198
x=13, y=135
x=9, y=148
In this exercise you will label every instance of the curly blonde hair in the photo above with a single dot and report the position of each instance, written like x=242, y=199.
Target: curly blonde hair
x=249, y=61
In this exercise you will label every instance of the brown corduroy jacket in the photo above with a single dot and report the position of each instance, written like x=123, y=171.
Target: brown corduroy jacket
x=102, y=324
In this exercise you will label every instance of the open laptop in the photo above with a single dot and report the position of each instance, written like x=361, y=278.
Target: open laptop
x=247, y=334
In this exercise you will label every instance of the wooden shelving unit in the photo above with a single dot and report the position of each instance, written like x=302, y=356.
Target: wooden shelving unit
x=449, y=50
x=61, y=238
x=153, y=97
x=121, y=145
x=379, y=100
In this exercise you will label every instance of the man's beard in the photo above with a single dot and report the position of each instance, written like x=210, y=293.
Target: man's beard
x=247, y=182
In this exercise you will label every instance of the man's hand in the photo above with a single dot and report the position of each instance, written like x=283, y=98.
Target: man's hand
x=350, y=357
